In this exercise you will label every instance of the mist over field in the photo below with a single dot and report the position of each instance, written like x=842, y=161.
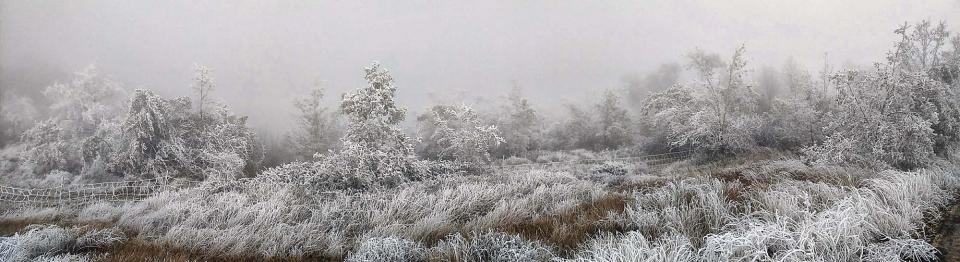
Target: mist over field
x=466, y=131
x=265, y=53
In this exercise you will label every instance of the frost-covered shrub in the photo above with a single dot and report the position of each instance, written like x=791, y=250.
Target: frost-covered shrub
x=492, y=246
x=90, y=135
x=615, y=168
x=17, y=114
x=78, y=111
x=318, y=129
x=715, y=114
x=323, y=175
x=519, y=125
x=374, y=147
x=606, y=126
x=884, y=117
x=613, y=122
x=388, y=249
x=50, y=147
x=163, y=137
x=149, y=144
x=900, y=113
x=457, y=133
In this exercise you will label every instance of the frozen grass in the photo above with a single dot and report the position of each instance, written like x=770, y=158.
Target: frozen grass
x=779, y=219
x=765, y=210
x=635, y=247
x=54, y=243
x=276, y=220
x=389, y=249
x=491, y=246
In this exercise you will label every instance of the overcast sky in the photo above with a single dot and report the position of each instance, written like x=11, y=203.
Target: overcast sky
x=265, y=52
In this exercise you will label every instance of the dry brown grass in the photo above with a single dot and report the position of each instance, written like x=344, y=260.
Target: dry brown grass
x=570, y=229
x=8, y=227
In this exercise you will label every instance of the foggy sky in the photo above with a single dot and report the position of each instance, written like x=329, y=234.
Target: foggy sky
x=264, y=53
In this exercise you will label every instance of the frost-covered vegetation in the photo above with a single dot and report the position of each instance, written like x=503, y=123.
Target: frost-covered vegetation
x=857, y=164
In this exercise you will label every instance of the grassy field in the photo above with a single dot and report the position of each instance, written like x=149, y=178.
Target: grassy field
x=767, y=206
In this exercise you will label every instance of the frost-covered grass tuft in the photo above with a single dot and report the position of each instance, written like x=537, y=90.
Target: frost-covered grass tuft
x=633, y=246
x=492, y=246
x=99, y=212
x=389, y=249
x=53, y=243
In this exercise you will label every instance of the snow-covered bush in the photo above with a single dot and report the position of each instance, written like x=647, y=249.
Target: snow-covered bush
x=149, y=144
x=17, y=114
x=613, y=123
x=162, y=137
x=456, y=133
x=900, y=113
x=318, y=129
x=50, y=147
x=717, y=113
x=615, y=168
x=374, y=147
x=519, y=125
x=885, y=116
x=796, y=118
x=78, y=111
x=606, y=126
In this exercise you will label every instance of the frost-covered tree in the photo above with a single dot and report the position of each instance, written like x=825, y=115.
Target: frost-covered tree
x=318, y=129
x=639, y=89
x=150, y=142
x=373, y=147
x=81, y=105
x=202, y=85
x=885, y=115
x=900, y=113
x=78, y=110
x=613, y=122
x=716, y=113
x=229, y=147
x=17, y=114
x=49, y=147
x=769, y=88
x=578, y=130
x=520, y=126
x=919, y=47
x=796, y=117
x=163, y=137
x=457, y=133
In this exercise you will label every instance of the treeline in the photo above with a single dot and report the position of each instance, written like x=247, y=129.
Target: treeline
x=902, y=112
